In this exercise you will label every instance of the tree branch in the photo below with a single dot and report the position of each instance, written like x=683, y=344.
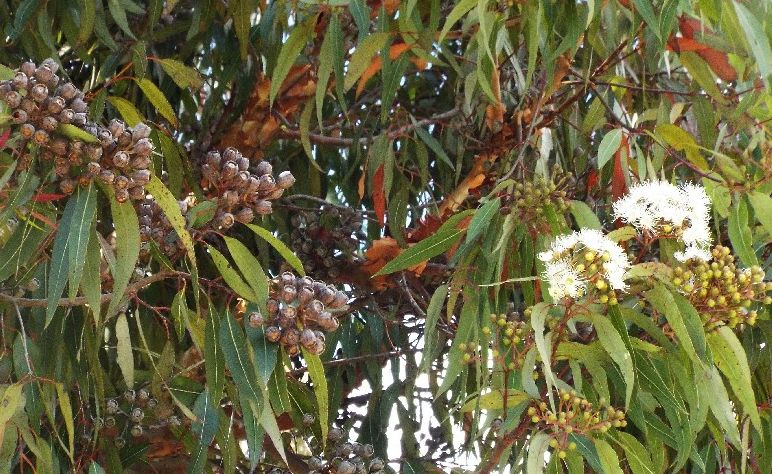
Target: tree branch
x=81, y=300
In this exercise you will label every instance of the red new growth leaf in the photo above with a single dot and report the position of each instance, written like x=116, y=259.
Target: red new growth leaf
x=379, y=197
x=47, y=197
x=618, y=183
x=717, y=60
x=4, y=137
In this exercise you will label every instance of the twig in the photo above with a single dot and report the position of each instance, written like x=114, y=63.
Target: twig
x=503, y=444
x=406, y=289
x=356, y=359
x=81, y=300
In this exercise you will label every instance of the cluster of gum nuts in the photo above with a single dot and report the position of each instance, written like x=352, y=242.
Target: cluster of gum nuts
x=299, y=313
x=241, y=190
x=722, y=293
x=326, y=240
x=39, y=101
x=136, y=408
x=530, y=198
x=574, y=414
x=345, y=457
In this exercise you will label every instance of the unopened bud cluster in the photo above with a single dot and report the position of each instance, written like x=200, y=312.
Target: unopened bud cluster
x=346, y=457
x=510, y=335
x=530, y=199
x=131, y=415
x=722, y=293
x=327, y=241
x=300, y=312
x=574, y=414
x=241, y=191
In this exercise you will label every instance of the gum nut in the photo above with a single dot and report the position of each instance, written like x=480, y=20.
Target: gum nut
x=67, y=91
x=275, y=194
x=121, y=195
x=226, y=220
x=94, y=168
x=288, y=293
x=293, y=351
x=121, y=182
x=116, y=127
x=314, y=308
x=307, y=338
x=328, y=295
x=51, y=64
x=308, y=419
x=66, y=116
x=140, y=131
x=39, y=92
x=305, y=295
x=137, y=193
x=79, y=105
x=245, y=215
x=285, y=180
x=93, y=152
x=49, y=123
x=40, y=137
x=107, y=176
x=143, y=147
x=340, y=300
x=213, y=158
x=324, y=320
x=289, y=312
x=229, y=169
x=253, y=184
x=129, y=395
x=141, y=177
x=124, y=140
x=267, y=183
x=335, y=434
x=272, y=305
x=243, y=163
x=231, y=154
x=27, y=130
x=20, y=80
x=121, y=159
x=287, y=278
x=273, y=334
x=255, y=320
x=12, y=99
x=319, y=347
x=28, y=68
x=263, y=207
x=55, y=105
x=263, y=167
x=19, y=116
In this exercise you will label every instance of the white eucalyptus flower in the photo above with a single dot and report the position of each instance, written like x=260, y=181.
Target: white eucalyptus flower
x=668, y=210
x=570, y=259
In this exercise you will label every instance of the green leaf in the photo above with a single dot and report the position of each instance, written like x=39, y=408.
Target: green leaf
x=636, y=455
x=266, y=353
x=730, y=358
x=125, y=355
x=757, y=38
x=686, y=326
x=430, y=328
x=289, y=53
x=214, y=361
x=65, y=407
x=91, y=283
x=127, y=110
x=95, y=468
x=762, y=207
x=319, y=379
x=280, y=247
x=585, y=218
x=442, y=240
x=362, y=56
x=182, y=75
x=81, y=230
x=158, y=99
x=613, y=344
x=482, y=219
x=171, y=208
x=241, y=12
x=231, y=276
x=326, y=60
x=204, y=428
x=740, y=234
x=469, y=320
x=251, y=270
x=646, y=10
x=537, y=448
x=70, y=241
x=458, y=11
x=127, y=247
x=118, y=12
x=495, y=400
x=71, y=131
x=608, y=457
x=543, y=345
x=235, y=349
x=718, y=399
x=12, y=400
x=268, y=422
x=608, y=146
x=432, y=143
x=681, y=140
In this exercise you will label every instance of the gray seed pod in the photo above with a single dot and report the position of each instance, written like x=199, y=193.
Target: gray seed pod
x=285, y=180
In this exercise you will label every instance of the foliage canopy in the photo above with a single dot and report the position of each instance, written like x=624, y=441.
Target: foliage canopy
x=349, y=236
